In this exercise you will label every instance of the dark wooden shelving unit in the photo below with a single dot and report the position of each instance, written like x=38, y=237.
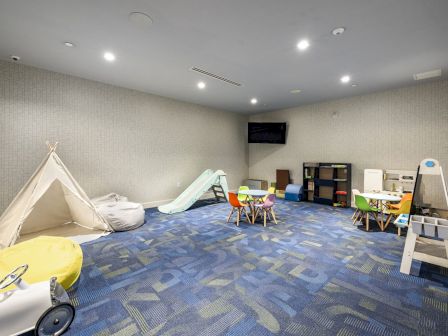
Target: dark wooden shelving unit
x=327, y=183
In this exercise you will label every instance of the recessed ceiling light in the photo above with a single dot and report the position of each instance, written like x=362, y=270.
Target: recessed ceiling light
x=338, y=31
x=108, y=56
x=201, y=85
x=345, y=79
x=15, y=58
x=295, y=91
x=303, y=45
x=254, y=101
x=69, y=44
x=140, y=19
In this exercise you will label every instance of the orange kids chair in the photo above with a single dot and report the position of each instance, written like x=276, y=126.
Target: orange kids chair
x=406, y=197
x=239, y=207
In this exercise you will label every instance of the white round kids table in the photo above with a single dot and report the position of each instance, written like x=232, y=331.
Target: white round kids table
x=257, y=196
x=380, y=203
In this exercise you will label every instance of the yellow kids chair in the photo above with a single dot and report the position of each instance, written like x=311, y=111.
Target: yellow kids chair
x=271, y=190
x=405, y=208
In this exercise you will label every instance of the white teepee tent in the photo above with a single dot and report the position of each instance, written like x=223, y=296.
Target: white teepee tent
x=51, y=203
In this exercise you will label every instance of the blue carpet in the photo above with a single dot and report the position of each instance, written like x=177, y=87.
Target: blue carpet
x=312, y=274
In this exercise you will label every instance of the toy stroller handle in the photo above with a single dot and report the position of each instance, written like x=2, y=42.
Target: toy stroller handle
x=13, y=277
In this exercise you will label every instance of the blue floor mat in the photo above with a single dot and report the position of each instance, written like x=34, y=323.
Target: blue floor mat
x=314, y=273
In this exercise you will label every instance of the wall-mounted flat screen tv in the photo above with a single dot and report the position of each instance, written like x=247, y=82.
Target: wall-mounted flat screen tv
x=273, y=133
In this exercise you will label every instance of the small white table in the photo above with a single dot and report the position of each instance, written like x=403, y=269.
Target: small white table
x=381, y=197
x=257, y=195
x=380, y=203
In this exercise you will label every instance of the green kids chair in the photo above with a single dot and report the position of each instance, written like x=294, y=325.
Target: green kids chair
x=244, y=198
x=364, y=208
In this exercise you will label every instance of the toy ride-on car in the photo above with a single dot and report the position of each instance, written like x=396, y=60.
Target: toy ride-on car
x=44, y=306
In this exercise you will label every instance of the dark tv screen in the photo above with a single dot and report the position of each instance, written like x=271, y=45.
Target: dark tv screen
x=273, y=133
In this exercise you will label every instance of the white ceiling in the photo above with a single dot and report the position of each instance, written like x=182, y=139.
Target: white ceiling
x=252, y=42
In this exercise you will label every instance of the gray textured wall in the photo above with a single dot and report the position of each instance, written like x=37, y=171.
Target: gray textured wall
x=112, y=139
x=394, y=129
x=142, y=145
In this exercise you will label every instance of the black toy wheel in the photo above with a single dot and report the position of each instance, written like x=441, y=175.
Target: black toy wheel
x=55, y=321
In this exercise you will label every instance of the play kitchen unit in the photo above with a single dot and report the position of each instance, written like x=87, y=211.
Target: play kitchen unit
x=389, y=181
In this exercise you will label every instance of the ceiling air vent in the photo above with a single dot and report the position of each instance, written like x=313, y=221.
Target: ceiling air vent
x=428, y=74
x=205, y=72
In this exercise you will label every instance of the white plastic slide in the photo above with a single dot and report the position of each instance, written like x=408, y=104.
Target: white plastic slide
x=208, y=179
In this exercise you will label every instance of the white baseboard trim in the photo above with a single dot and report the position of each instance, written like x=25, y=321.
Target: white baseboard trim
x=153, y=204
x=207, y=195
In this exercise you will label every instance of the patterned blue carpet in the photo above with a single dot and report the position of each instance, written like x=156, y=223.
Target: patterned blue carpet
x=312, y=274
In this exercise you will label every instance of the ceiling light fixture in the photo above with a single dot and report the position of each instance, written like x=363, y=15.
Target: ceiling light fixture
x=254, y=101
x=345, y=79
x=201, y=85
x=354, y=85
x=303, y=45
x=69, y=44
x=338, y=31
x=295, y=91
x=108, y=56
x=15, y=58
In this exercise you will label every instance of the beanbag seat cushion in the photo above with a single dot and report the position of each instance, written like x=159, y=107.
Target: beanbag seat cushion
x=46, y=257
x=122, y=216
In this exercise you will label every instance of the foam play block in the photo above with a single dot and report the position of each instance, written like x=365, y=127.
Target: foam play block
x=294, y=192
x=280, y=193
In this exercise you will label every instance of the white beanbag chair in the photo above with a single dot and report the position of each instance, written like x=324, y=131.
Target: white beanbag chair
x=122, y=216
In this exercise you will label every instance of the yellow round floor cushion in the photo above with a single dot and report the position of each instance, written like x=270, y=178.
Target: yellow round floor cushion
x=46, y=257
